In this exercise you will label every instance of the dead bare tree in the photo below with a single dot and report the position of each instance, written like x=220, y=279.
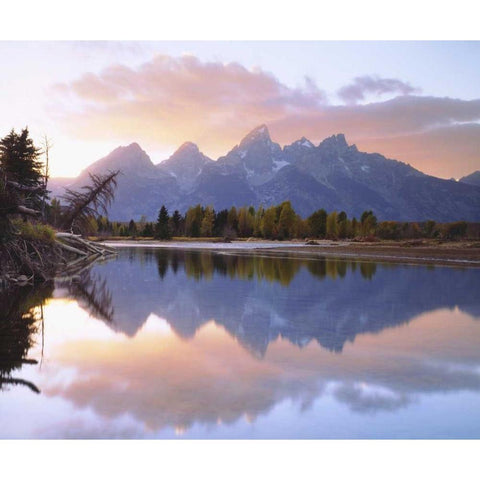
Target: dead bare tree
x=47, y=145
x=91, y=201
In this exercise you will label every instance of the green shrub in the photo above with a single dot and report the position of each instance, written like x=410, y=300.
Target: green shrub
x=34, y=231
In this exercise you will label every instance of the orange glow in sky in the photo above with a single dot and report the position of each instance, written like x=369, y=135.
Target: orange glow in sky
x=91, y=97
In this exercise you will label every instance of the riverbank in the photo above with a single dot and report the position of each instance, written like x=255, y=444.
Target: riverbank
x=428, y=252
x=417, y=252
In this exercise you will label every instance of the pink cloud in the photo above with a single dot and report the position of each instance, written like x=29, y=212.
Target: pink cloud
x=167, y=101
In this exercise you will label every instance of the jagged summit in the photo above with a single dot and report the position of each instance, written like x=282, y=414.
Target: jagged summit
x=257, y=157
x=305, y=142
x=134, y=146
x=187, y=153
x=302, y=143
x=129, y=159
x=185, y=165
x=258, y=134
x=187, y=148
x=335, y=143
x=132, y=149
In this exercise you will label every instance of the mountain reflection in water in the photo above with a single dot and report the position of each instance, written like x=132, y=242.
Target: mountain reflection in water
x=208, y=344
x=258, y=298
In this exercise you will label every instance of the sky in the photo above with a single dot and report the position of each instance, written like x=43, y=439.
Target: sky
x=418, y=102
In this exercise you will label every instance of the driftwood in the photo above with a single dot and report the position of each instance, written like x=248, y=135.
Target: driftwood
x=92, y=246
x=71, y=249
x=85, y=253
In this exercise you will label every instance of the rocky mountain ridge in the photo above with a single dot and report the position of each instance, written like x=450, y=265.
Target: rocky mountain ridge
x=332, y=175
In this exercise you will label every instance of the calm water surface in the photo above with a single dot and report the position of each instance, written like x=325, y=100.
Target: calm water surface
x=202, y=344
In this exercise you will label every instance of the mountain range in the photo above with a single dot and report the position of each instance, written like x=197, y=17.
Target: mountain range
x=332, y=175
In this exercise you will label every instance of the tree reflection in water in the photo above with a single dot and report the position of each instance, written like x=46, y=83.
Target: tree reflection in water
x=22, y=317
x=92, y=294
x=19, y=322
x=272, y=268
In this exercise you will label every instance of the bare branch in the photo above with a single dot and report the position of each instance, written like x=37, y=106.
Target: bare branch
x=24, y=188
x=92, y=201
x=26, y=211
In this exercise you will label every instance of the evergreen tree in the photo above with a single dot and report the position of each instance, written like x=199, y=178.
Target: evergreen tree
x=232, y=219
x=176, y=223
x=19, y=161
x=220, y=223
x=342, y=225
x=162, y=230
x=132, y=228
x=148, y=230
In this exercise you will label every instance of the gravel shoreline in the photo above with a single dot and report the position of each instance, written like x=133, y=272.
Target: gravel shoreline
x=453, y=254
x=417, y=252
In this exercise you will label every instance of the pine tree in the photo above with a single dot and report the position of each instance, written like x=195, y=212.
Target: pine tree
x=232, y=219
x=19, y=161
x=148, y=230
x=176, y=223
x=220, y=223
x=132, y=228
x=342, y=226
x=162, y=230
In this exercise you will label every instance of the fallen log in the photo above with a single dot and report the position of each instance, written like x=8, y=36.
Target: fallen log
x=71, y=249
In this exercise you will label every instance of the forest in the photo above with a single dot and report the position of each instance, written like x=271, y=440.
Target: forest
x=279, y=222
